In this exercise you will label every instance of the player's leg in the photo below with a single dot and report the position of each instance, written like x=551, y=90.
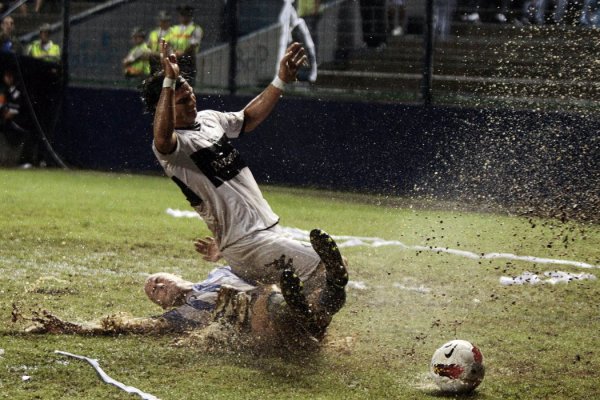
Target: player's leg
x=323, y=294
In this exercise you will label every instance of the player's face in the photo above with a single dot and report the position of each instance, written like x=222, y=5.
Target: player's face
x=185, y=106
x=166, y=290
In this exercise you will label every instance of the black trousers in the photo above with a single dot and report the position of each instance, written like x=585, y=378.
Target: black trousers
x=373, y=15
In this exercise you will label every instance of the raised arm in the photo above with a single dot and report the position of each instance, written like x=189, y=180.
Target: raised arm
x=261, y=106
x=165, y=139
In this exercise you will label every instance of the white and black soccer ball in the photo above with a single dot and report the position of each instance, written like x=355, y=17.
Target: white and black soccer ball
x=457, y=367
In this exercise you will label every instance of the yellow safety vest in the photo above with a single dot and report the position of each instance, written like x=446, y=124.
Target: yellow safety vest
x=154, y=39
x=179, y=37
x=141, y=66
x=306, y=7
x=50, y=53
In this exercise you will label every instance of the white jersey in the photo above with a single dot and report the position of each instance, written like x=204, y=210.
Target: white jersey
x=215, y=179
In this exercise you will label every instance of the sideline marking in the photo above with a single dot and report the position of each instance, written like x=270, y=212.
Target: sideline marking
x=351, y=241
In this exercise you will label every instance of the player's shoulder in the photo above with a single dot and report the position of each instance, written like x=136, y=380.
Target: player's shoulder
x=209, y=114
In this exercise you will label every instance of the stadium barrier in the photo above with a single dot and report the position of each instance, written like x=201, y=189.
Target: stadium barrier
x=511, y=158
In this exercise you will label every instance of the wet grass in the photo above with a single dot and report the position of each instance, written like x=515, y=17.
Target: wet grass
x=80, y=244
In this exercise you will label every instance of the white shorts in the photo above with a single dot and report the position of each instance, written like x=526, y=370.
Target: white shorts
x=249, y=256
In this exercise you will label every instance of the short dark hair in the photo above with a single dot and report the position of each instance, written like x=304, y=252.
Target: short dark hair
x=185, y=11
x=151, y=88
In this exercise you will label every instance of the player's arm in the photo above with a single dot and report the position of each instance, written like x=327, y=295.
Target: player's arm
x=261, y=106
x=165, y=139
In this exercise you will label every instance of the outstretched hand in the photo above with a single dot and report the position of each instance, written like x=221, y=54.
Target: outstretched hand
x=168, y=61
x=294, y=58
x=209, y=248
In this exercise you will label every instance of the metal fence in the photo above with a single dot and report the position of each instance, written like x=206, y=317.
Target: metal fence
x=486, y=53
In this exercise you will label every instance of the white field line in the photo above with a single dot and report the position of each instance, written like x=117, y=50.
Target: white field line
x=351, y=241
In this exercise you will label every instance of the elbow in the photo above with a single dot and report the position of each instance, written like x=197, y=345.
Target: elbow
x=249, y=127
x=250, y=122
x=164, y=145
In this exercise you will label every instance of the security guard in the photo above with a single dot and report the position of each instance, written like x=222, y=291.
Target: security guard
x=164, y=23
x=155, y=37
x=136, y=64
x=44, y=48
x=184, y=40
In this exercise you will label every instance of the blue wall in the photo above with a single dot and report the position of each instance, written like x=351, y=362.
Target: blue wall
x=518, y=159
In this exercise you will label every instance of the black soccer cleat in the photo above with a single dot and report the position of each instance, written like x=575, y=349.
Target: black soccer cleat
x=327, y=249
x=293, y=293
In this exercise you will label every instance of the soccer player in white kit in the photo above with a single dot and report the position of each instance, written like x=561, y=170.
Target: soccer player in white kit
x=195, y=151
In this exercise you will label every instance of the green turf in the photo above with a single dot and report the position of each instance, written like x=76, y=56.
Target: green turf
x=80, y=244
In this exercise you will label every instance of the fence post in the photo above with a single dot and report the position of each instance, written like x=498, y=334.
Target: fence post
x=428, y=59
x=232, y=28
x=64, y=58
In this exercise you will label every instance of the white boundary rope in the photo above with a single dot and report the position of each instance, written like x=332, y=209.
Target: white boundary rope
x=94, y=363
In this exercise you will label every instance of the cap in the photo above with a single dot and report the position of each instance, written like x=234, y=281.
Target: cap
x=163, y=16
x=137, y=31
x=185, y=11
x=45, y=28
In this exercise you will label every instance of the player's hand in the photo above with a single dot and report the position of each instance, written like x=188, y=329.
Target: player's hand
x=209, y=248
x=294, y=58
x=168, y=61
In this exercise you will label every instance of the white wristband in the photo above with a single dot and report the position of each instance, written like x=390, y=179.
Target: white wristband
x=278, y=83
x=169, y=83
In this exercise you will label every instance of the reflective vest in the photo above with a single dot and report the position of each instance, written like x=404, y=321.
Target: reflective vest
x=180, y=37
x=140, y=66
x=155, y=37
x=48, y=52
x=306, y=7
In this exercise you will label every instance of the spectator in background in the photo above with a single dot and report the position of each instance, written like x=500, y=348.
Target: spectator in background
x=155, y=37
x=9, y=43
x=442, y=17
x=541, y=8
x=184, y=40
x=5, y=5
x=137, y=64
x=372, y=13
x=590, y=13
x=525, y=12
x=9, y=99
x=473, y=7
x=44, y=48
x=396, y=12
x=12, y=123
x=309, y=11
x=53, y=5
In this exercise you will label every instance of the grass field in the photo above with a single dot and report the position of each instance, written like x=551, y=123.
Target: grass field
x=80, y=245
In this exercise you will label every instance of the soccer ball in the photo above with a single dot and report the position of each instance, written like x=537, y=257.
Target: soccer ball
x=457, y=367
